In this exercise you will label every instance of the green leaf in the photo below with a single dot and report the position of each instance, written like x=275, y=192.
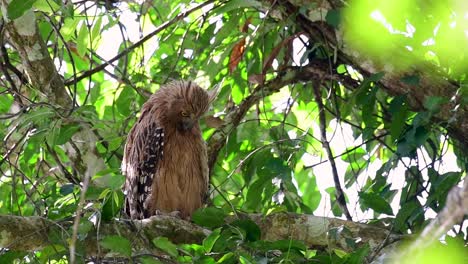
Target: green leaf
x=54, y=132
x=244, y=260
x=205, y=260
x=406, y=211
x=116, y=181
x=83, y=228
x=95, y=31
x=399, y=110
x=82, y=40
x=69, y=27
x=209, y=217
x=66, y=132
x=5, y=103
x=283, y=245
x=11, y=256
x=125, y=100
x=411, y=79
x=117, y=244
x=375, y=77
x=359, y=256
x=433, y=103
x=210, y=240
x=354, y=155
x=236, y=4
x=252, y=230
x=227, y=258
x=113, y=204
x=66, y=189
x=375, y=202
x=336, y=210
x=46, y=6
x=17, y=8
x=166, y=245
x=333, y=18
x=149, y=260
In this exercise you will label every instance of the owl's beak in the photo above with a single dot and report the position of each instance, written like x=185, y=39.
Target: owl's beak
x=188, y=122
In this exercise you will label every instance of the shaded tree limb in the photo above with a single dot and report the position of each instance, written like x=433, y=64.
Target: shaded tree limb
x=24, y=35
x=453, y=115
x=456, y=207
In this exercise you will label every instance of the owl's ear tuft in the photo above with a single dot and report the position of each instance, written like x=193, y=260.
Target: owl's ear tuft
x=213, y=93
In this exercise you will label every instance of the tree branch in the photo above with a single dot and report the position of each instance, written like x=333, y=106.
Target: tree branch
x=32, y=233
x=340, y=197
x=162, y=27
x=432, y=82
x=290, y=75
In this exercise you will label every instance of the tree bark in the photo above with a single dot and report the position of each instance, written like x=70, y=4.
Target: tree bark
x=432, y=82
x=33, y=233
x=23, y=34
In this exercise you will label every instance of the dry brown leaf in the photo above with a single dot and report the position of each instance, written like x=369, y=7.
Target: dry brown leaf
x=73, y=49
x=245, y=27
x=239, y=48
x=274, y=53
x=236, y=55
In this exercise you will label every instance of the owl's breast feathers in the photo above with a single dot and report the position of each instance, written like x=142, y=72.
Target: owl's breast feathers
x=181, y=182
x=165, y=164
x=162, y=180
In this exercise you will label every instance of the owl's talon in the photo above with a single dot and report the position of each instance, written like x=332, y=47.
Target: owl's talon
x=173, y=213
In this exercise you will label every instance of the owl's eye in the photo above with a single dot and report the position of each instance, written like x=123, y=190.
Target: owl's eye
x=184, y=114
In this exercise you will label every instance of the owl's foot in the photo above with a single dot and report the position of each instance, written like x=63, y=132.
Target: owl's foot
x=173, y=213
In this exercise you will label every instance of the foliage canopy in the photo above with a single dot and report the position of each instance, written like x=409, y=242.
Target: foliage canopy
x=296, y=115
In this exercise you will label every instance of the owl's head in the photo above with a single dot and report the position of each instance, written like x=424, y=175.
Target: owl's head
x=186, y=102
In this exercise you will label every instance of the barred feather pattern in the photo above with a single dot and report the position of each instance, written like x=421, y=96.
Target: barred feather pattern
x=153, y=152
x=148, y=148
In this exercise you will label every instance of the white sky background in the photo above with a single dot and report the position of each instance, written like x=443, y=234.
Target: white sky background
x=342, y=137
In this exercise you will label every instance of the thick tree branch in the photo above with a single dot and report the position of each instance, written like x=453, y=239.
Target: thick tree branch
x=456, y=207
x=23, y=34
x=432, y=82
x=32, y=233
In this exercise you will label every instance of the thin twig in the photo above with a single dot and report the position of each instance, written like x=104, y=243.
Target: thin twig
x=76, y=223
x=339, y=191
x=162, y=27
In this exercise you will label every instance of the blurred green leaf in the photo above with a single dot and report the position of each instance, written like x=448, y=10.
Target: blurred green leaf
x=333, y=18
x=17, y=8
x=11, y=256
x=250, y=227
x=375, y=202
x=411, y=79
x=210, y=217
x=166, y=245
x=399, y=109
x=66, y=132
x=117, y=244
x=236, y=4
x=210, y=240
x=124, y=101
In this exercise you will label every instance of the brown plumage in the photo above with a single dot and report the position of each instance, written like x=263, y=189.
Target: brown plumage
x=165, y=159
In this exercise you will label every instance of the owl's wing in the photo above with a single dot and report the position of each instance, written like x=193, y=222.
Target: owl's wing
x=143, y=150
